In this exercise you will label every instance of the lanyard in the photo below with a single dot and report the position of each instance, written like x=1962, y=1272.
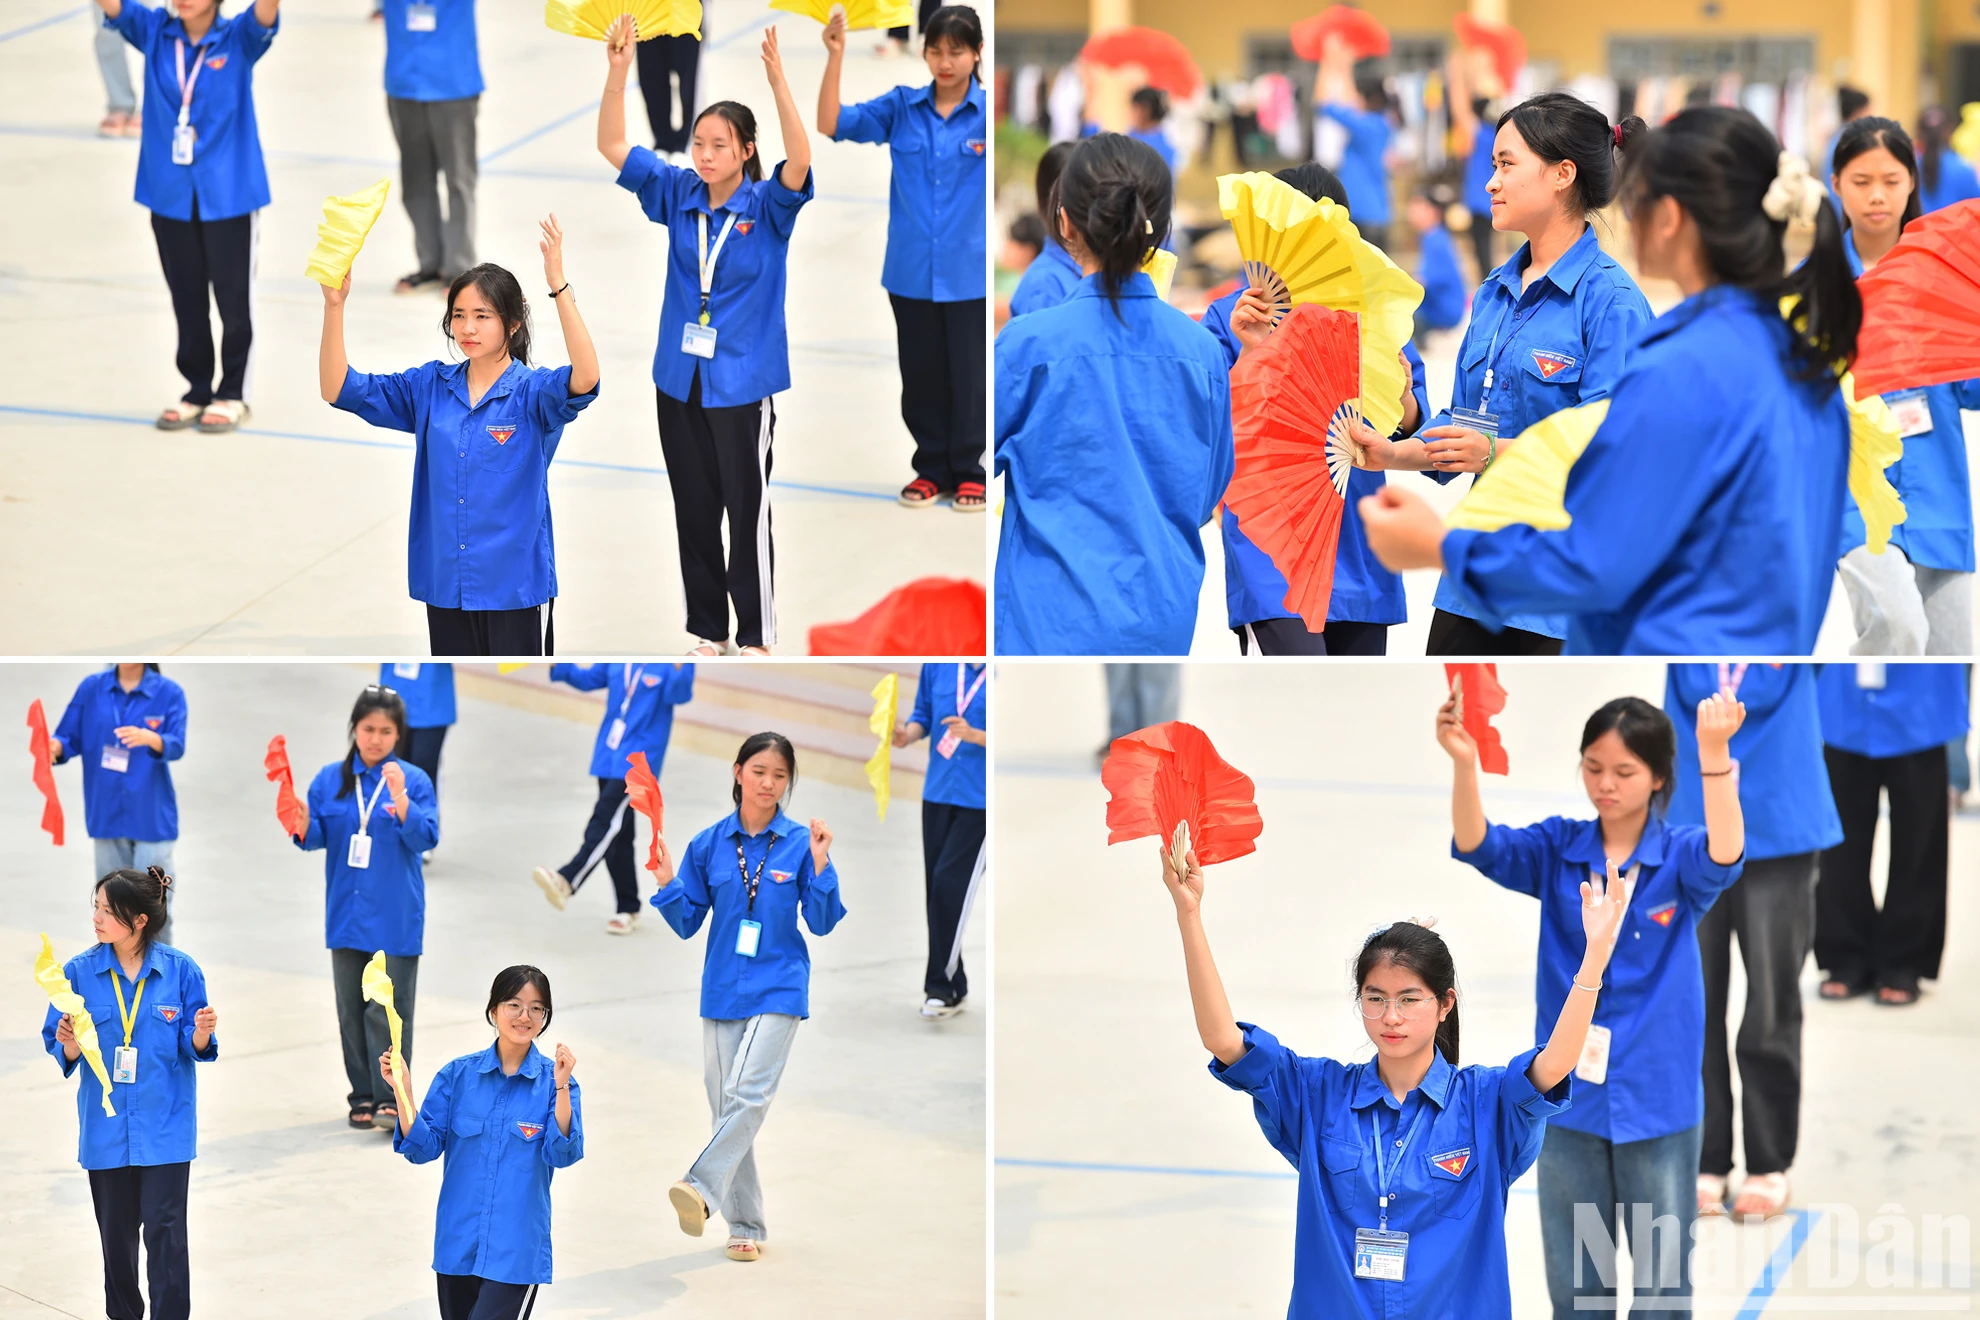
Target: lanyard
x=708, y=259
x=364, y=817
x=1731, y=676
x=633, y=674
x=742, y=867
x=129, y=1019
x=1492, y=356
x=1402, y=1150
x=185, y=87
x=962, y=699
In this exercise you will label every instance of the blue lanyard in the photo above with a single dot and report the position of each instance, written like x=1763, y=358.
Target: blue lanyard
x=1492, y=355
x=1402, y=1150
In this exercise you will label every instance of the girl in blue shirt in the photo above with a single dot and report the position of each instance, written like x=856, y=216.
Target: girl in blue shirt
x=503, y=1120
x=934, y=270
x=1633, y=1138
x=482, y=556
x=750, y=877
x=1404, y=1162
x=372, y=815
x=148, y=1003
x=954, y=818
x=1051, y=279
x=1916, y=598
x=1944, y=176
x=722, y=350
x=1361, y=106
x=428, y=691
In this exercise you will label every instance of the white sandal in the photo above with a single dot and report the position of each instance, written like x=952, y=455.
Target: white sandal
x=705, y=648
x=1711, y=1194
x=233, y=411
x=179, y=415
x=754, y=650
x=741, y=1248
x=1768, y=1190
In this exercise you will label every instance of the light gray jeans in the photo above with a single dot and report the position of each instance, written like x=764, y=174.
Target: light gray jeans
x=138, y=855
x=742, y=1061
x=119, y=96
x=1902, y=608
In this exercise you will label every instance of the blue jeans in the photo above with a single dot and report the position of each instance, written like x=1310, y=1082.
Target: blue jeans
x=138, y=855
x=1139, y=695
x=1584, y=1181
x=111, y=61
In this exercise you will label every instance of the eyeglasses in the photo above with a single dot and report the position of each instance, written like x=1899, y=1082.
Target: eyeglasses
x=380, y=687
x=1409, y=1005
x=515, y=1008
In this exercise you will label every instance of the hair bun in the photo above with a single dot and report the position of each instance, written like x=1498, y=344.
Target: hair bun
x=158, y=873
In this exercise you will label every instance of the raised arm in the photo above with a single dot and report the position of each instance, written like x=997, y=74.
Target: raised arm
x=332, y=362
x=1214, y=1021
x=264, y=11
x=797, y=142
x=1603, y=903
x=112, y=8
x=828, y=86
x=1719, y=718
x=1467, y=808
x=577, y=339
x=619, y=42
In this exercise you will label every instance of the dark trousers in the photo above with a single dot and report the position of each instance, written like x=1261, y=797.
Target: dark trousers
x=718, y=463
x=197, y=255
x=926, y=12
x=466, y=1297
x=1454, y=634
x=1290, y=637
x=952, y=863
x=1771, y=907
x=1855, y=942
x=151, y=1197
x=492, y=632
x=608, y=838
x=362, y=1025
x=661, y=60
x=423, y=750
x=1481, y=243
x=941, y=353
x=436, y=138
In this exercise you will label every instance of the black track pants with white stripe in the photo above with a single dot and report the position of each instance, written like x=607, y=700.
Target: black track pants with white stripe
x=466, y=1297
x=952, y=858
x=608, y=838
x=718, y=463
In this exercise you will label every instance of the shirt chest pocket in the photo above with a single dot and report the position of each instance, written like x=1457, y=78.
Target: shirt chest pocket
x=500, y=441
x=1555, y=371
x=1454, y=1182
x=1341, y=1159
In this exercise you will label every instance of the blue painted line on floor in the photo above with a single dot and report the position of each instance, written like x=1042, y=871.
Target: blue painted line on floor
x=62, y=17
x=1778, y=1264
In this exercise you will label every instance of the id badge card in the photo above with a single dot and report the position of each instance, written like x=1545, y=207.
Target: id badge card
x=124, y=1066
x=360, y=856
x=421, y=18
x=1594, y=1064
x=748, y=935
x=698, y=340
x=116, y=758
x=1870, y=675
x=182, y=144
x=1913, y=411
x=615, y=734
x=1486, y=423
x=408, y=672
x=947, y=747
x=1380, y=1255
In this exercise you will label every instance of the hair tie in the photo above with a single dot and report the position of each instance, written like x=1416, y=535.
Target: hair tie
x=158, y=873
x=1616, y=133
x=1147, y=226
x=1795, y=194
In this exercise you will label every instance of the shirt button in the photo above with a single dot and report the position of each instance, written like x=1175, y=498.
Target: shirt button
x=463, y=547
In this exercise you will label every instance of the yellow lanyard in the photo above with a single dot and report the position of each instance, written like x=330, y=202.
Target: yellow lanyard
x=129, y=1019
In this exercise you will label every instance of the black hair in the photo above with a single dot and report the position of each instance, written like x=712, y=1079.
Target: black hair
x=1933, y=130
x=758, y=742
x=1717, y=162
x=1050, y=166
x=1423, y=951
x=509, y=983
x=1117, y=193
x=960, y=24
x=373, y=698
x=1480, y=106
x=1029, y=230
x=1646, y=731
x=1867, y=134
x=133, y=894
x=743, y=120
x=1558, y=127
x=504, y=294
x=1151, y=101
x=1851, y=101
x=1374, y=95
x=1317, y=182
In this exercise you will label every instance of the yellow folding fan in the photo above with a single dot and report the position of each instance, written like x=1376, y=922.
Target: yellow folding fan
x=1527, y=483
x=653, y=18
x=1160, y=267
x=860, y=14
x=1875, y=442
x=346, y=221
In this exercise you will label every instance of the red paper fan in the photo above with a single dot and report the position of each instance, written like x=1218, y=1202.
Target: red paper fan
x=643, y=791
x=1288, y=397
x=44, y=777
x=1169, y=774
x=1166, y=60
x=1920, y=326
x=931, y=616
x=288, y=810
x=1358, y=28
x=1507, y=46
x=1480, y=699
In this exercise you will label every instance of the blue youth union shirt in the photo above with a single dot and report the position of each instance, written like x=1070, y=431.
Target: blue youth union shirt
x=1363, y=171
x=1442, y=281
x=441, y=65
x=1957, y=183
x=481, y=536
x=778, y=978
x=497, y=1137
x=956, y=780
x=935, y=233
x=157, y=1119
x=1113, y=433
x=137, y=802
x=1471, y=1133
x=1478, y=171
x=382, y=906
x=1562, y=342
x=1047, y=281
x=746, y=297
x=1653, y=994
x=427, y=690
x=1704, y=510
x=1918, y=707
x=644, y=696
x=227, y=177
x=1783, y=780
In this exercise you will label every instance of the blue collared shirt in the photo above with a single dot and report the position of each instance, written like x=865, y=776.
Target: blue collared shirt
x=1113, y=433
x=427, y=690
x=136, y=802
x=1564, y=341
x=1653, y=995
x=1919, y=706
x=935, y=230
x=227, y=176
x=958, y=779
x=1047, y=281
x=1478, y=171
x=644, y=696
x=1957, y=182
x=1363, y=171
x=746, y=296
x=381, y=906
x=778, y=978
x=499, y=1138
x=1705, y=509
x=157, y=1119
x=1364, y=591
x=481, y=536
x=1783, y=780
x=1470, y=1133
x=1442, y=281
x=441, y=65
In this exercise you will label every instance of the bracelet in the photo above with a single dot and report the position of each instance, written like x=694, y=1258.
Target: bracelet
x=1714, y=774
x=565, y=1087
x=560, y=292
x=1591, y=989
x=1491, y=452
x=610, y=88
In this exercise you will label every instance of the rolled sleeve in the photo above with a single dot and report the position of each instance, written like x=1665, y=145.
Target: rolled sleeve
x=552, y=402
x=924, y=701
x=421, y=828
x=54, y=1047
x=781, y=204
x=560, y=1151
x=255, y=39
x=195, y=999
x=685, y=903
x=1522, y=1112
x=650, y=179
x=139, y=23
x=173, y=735
x=1518, y=859
x=1700, y=878
x=822, y=908
x=383, y=400
x=867, y=121
x=426, y=1137
x=1269, y=1073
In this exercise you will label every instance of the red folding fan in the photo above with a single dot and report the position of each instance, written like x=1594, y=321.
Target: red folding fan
x=1921, y=306
x=1503, y=41
x=1166, y=779
x=929, y=616
x=1480, y=698
x=643, y=791
x=44, y=777
x=1292, y=399
x=1166, y=60
x=1357, y=28
x=288, y=810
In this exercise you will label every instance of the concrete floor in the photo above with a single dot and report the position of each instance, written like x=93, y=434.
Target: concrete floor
x=289, y=538
x=1125, y=1171
x=872, y=1157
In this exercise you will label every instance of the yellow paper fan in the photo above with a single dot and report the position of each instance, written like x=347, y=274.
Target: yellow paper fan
x=376, y=984
x=1161, y=267
x=860, y=14
x=886, y=706
x=1527, y=483
x=654, y=18
x=48, y=975
x=1297, y=250
x=1875, y=442
x=1966, y=138
x=346, y=220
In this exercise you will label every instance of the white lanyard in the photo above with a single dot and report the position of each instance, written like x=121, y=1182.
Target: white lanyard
x=962, y=700
x=364, y=817
x=185, y=87
x=1731, y=676
x=708, y=259
x=632, y=682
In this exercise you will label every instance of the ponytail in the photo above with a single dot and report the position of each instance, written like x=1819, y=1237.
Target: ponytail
x=1421, y=950
x=1116, y=193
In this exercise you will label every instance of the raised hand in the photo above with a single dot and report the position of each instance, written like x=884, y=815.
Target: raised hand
x=620, y=39
x=552, y=248
x=564, y=1063
x=821, y=844
x=395, y=784
x=1185, y=886
x=1603, y=904
x=335, y=297
x=835, y=33
x=773, y=60
x=663, y=874
x=1452, y=736
x=1719, y=718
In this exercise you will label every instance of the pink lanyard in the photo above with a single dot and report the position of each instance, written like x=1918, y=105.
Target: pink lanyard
x=962, y=700
x=186, y=88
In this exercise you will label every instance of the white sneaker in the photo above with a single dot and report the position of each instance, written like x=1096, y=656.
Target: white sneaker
x=622, y=923
x=426, y=858
x=933, y=1008
x=554, y=886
